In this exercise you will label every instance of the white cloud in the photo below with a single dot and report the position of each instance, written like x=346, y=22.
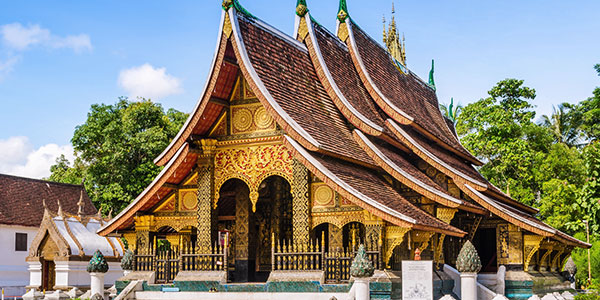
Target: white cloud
x=18, y=157
x=149, y=82
x=19, y=37
x=6, y=66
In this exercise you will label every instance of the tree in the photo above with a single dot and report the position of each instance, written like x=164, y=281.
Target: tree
x=590, y=113
x=564, y=124
x=499, y=130
x=63, y=172
x=115, y=148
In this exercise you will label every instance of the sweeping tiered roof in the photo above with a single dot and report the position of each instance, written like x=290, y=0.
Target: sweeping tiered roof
x=350, y=113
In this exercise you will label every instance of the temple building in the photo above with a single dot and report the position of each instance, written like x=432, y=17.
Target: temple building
x=302, y=147
x=63, y=246
x=21, y=213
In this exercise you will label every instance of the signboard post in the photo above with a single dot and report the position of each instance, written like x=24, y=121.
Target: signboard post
x=417, y=280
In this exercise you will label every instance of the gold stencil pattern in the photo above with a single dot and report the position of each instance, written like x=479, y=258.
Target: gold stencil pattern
x=250, y=118
x=300, y=203
x=204, y=212
x=323, y=195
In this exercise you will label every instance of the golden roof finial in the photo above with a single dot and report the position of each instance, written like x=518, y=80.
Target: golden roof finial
x=392, y=41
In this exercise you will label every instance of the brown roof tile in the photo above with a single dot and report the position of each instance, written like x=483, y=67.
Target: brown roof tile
x=369, y=183
x=338, y=61
x=288, y=74
x=21, y=199
x=406, y=91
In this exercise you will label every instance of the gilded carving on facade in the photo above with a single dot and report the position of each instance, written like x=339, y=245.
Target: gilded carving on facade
x=252, y=165
x=300, y=202
x=336, y=238
x=250, y=118
x=338, y=219
x=322, y=195
x=188, y=199
x=531, y=244
x=446, y=215
x=394, y=236
x=502, y=241
x=176, y=222
x=242, y=224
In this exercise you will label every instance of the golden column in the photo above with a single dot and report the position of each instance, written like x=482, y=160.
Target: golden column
x=205, y=193
x=300, y=203
x=143, y=226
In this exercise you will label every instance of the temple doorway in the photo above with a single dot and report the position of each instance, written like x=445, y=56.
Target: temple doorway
x=250, y=233
x=48, y=275
x=485, y=243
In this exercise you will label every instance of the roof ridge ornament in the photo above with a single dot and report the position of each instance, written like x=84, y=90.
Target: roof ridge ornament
x=226, y=4
x=80, y=205
x=60, y=210
x=391, y=39
x=431, y=81
x=342, y=12
x=301, y=8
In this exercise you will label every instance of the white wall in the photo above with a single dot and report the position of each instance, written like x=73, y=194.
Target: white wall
x=13, y=268
x=74, y=273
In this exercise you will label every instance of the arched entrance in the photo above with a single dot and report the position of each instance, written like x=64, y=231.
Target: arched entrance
x=273, y=216
x=251, y=232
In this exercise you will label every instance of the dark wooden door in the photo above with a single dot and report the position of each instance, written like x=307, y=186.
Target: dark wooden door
x=48, y=275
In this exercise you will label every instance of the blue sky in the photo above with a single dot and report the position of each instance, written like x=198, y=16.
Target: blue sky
x=58, y=58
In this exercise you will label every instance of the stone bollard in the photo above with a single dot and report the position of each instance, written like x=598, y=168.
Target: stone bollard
x=468, y=264
x=361, y=270
x=468, y=285
x=500, y=280
x=97, y=267
x=361, y=289
x=97, y=284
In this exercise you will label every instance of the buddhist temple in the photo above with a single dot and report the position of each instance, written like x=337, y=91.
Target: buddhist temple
x=302, y=147
x=62, y=248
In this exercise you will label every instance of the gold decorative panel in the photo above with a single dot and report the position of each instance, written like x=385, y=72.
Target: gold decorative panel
x=250, y=118
x=510, y=245
x=322, y=195
x=300, y=203
x=394, y=236
x=338, y=219
x=168, y=205
x=252, y=165
x=188, y=200
x=345, y=202
x=531, y=244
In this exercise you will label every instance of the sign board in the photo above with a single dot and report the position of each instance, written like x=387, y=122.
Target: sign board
x=417, y=280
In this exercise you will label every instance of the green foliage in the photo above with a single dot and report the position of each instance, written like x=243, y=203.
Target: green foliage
x=62, y=171
x=580, y=258
x=98, y=263
x=499, y=130
x=115, y=149
x=590, y=296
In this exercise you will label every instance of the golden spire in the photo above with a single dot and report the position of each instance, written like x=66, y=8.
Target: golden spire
x=392, y=41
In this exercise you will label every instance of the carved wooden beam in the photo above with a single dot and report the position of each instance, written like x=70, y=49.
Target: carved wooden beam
x=219, y=101
x=531, y=244
x=394, y=236
x=170, y=186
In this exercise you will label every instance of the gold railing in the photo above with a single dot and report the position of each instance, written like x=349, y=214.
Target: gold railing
x=286, y=255
x=167, y=262
x=209, y=259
